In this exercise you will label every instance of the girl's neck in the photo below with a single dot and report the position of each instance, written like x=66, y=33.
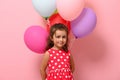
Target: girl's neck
x=56, y=48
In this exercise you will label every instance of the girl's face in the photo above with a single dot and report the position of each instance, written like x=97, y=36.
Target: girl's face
x=59, y=39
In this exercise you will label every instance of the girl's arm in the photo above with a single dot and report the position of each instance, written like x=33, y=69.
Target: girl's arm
x=72, y=65
x=44, y=65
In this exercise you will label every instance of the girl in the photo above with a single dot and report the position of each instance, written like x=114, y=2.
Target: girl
x=57, y=56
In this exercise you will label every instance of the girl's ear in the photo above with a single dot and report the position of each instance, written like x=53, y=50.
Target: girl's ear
x=51, y=38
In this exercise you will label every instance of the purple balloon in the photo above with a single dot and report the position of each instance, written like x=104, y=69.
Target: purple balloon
x=84, y=24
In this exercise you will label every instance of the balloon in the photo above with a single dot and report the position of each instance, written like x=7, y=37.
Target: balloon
x=44, y=7
x=42, y=22
x=56, y=18
x=70, y=9
x=35, y=38
x=84, y=24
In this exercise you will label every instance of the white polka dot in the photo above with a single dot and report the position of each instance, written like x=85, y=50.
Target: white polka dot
x=57, y=73
x=55, y=77
x=54, y=57
x=67, y=57
x=63, y=53
x=51, y=61
x=60, y=73
x=65, y=65
x=53, y=51
x=60, y=76
x=64, y=59
x=50, y=54
x=52, y=74
x=59, y=66
x=61, y=56
x=62, y=62
x=55, y=63
x=66, y=76
x=69, y=54
x=53, y=67
x=49, y=65
x=59, y=51
x=57, y=54
x=58, y=59
x=65, y=70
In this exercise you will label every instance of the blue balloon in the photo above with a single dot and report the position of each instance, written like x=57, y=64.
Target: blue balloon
x=44, y=7
x=84, y=24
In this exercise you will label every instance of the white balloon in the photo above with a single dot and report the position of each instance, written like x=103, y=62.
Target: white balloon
x=44, y=7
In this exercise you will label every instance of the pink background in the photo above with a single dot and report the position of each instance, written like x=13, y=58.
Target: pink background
x=97, y=56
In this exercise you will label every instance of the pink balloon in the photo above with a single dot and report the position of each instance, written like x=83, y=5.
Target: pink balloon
x=42, y=22
x=35, y=38
x=70, y=9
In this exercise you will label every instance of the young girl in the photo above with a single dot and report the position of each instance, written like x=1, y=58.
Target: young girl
x=57, y=56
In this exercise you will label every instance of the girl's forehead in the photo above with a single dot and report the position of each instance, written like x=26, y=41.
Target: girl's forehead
x=61, y=32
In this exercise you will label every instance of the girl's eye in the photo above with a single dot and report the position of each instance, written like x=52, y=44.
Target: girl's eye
x=64, y=36
x=61, y=36
x=57, y=36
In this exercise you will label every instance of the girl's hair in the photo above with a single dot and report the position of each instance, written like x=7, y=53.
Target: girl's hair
x=52, y=31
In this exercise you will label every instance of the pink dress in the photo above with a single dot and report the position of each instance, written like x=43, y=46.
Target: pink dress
x=59, y=65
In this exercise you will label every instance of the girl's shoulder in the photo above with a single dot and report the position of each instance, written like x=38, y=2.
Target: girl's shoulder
x=50, y=50
x=46, y=52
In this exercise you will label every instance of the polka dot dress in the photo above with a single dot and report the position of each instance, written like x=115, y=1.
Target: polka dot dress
x=59, y=65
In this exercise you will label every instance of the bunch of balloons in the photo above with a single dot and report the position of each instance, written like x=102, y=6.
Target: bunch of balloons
x=72, y=13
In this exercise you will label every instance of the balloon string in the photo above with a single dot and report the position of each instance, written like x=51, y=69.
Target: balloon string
x=71, y=43
x=48, y=23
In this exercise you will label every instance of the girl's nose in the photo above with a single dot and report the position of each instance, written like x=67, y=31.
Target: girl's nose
x=61, y=39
